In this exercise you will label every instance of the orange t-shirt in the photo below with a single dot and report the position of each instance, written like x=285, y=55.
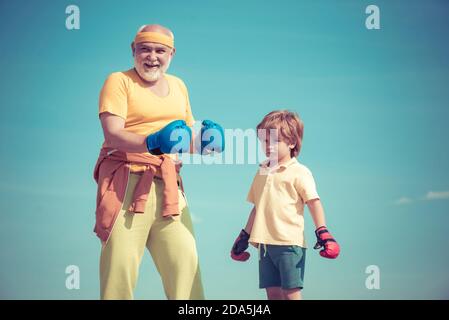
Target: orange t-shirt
x=125, y=94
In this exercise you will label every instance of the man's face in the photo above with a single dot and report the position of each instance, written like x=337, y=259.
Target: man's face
x=151, y=60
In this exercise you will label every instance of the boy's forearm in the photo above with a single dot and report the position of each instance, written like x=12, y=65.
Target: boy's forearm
x=317, y=212
x=249, y=224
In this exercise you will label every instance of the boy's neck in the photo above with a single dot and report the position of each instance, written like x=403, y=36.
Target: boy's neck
x=282, y=161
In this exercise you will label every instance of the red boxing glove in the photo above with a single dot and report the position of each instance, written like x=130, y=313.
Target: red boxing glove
x=238, y=252
x=324, y=239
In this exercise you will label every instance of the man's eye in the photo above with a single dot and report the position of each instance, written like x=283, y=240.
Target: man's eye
x=161, y=51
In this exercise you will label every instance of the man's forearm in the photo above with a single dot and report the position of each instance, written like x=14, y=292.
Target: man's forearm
x=127, y=142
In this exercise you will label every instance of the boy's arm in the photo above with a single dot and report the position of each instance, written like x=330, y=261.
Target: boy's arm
x=238, y=251
x=331, y=249
x=249, y=224
x=317, y=212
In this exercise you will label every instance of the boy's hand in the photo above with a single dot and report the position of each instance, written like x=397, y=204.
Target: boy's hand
x=238, y=252
x=324, y=239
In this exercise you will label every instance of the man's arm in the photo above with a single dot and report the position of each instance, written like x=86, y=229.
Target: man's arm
x=193, y=150
x=117, y=137
x=317, y=212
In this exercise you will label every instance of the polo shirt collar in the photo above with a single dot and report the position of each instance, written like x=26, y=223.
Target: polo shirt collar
x=265, y=163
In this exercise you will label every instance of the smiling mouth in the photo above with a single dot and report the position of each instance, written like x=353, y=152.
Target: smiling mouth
x=151, y=66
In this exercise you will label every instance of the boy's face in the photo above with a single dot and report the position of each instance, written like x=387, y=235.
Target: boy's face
x=275, y=148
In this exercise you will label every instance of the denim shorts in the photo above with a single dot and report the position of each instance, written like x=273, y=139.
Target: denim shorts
x=281, y=266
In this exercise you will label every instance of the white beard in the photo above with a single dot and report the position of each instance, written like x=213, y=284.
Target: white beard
x=149, y=75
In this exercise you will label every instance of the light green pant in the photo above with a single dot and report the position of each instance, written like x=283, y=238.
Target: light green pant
x=170, y=241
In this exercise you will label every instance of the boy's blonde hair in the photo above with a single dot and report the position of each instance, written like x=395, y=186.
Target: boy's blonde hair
x=290, y=128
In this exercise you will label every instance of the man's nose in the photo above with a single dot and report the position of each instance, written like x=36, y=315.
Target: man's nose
x=153, y=56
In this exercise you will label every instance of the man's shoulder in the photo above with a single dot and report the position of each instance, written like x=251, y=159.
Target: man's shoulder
x=173, y=77
x=120, y=76
x=176, y=79
x=177, y=82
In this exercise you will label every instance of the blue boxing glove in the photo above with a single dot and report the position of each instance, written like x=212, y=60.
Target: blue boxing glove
x=173, y=138
x=212, y=137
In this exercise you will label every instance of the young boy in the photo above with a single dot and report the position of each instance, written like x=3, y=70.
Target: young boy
x=279, y=191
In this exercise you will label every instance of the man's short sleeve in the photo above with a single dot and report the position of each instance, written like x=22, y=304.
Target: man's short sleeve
x=190, y=120
x=113, y=96
x=305, y=185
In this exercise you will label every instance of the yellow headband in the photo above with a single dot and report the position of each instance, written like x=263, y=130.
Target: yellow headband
x=154, y=37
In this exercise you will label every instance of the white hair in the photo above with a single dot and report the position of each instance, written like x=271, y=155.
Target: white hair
x=141, y=28
x=145, y=25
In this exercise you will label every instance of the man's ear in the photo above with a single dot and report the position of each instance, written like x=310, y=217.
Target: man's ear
x=173, y=52
x=133, y=48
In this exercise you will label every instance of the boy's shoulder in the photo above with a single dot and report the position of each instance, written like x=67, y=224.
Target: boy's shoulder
x=299, y=167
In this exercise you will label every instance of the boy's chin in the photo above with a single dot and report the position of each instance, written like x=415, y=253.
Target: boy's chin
x=273, y=159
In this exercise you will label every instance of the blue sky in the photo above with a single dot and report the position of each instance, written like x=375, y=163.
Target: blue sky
x=374, y=104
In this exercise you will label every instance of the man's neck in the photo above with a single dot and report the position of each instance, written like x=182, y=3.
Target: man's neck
x=159, y=87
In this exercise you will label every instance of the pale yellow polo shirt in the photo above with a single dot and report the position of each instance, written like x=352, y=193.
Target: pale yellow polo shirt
x=125, y=94
x=279, y=195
